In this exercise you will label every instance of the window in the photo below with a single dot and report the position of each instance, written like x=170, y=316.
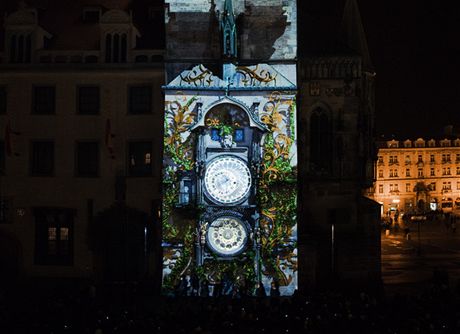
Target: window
x=396, y=187
x=88, y=101
x=380, y=159
x=116, y=48
x=42, y=158
x=407, y=159
x=407, y=187
x=2, y=100
x=53, y=236
x=419, y=158
x=140, y=99
x=20, y=48
x=444, y=159
x=420, y=172
x=431, y=157
x=431, y=171
x=391, y=187
x=380, y=188
x=87, y=159
x=448, y=157
x=458, y=185
x=433, y=186
x=396, y=173
x=140, y=158
x=407, y=172
x=448, y=171
x=391, y=173
x=43, y=100
x=457, y=158
x=446, y=186
x=457, y=171
x=91, y=14
x=393, y=159
x=381, y=173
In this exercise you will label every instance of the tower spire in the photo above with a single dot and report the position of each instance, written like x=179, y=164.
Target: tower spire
x=228, y=26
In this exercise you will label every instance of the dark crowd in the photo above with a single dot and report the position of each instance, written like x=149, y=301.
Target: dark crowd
x=136, y=309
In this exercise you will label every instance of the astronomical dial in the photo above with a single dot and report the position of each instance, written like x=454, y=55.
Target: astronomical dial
x=227, y=236
x=227, y=180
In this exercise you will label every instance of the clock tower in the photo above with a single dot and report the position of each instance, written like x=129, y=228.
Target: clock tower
x=230, y=147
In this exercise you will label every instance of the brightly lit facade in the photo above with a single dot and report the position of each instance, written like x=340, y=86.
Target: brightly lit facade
x=418, y=175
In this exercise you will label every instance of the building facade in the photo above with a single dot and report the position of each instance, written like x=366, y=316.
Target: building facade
x=82, y=108
x=418, y=175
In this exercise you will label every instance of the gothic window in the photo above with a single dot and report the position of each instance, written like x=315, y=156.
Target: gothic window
x=320, y=140
x=20, y=48
x=116, y=48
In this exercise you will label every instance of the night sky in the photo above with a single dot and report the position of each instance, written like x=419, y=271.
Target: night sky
x=415, y=51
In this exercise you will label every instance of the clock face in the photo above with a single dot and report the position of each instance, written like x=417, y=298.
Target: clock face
x=227, y=180
x=227, y=236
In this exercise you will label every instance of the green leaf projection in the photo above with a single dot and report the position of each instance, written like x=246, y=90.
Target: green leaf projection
x=213, y=142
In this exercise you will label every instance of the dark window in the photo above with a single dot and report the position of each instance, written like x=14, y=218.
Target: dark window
x=215, y=134
x=44, y=100
x=320, y=141
x=91, y=15
x=88, y=100
x=2, y=100
x=140, y=158
x=53, y=236
x=20, y=49
x=87, y=157
x=2, y=158
x=42, y=158
x=140, y=99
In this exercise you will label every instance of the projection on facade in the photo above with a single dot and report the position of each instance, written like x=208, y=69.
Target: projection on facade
x=230, y=164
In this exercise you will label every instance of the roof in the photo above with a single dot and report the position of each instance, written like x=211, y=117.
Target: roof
x=63, y=20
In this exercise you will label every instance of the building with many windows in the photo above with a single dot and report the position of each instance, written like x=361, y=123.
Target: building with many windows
x=418, y=175
x=82, y=92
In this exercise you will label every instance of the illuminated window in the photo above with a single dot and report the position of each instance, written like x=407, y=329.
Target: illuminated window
x=54, y=236
x=140, y=158
x=431, y=171
x=381, y=188
x=407, y=187
x=140, y=100
x=408, y=172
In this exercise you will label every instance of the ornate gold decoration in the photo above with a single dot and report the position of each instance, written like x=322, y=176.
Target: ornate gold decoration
x=251, y=76
x=198, y=77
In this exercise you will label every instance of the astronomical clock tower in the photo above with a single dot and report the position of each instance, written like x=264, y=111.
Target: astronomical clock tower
x=230, y=145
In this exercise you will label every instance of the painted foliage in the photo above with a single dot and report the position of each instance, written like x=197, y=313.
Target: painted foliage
x=272, y=251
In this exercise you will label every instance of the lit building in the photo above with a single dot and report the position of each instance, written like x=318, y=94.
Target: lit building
x=418, y=175
x=82, y=108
